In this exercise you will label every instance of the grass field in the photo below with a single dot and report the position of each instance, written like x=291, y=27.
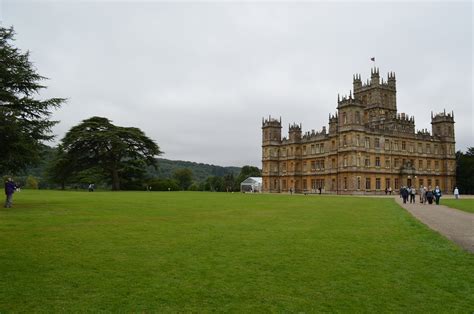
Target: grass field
x=202, y=252
x=466, y=205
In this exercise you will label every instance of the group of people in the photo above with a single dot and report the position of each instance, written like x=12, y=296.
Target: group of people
x=427, y=195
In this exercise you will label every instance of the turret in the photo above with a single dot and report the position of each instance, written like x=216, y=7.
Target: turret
x=271, y=131
x=442, y=125
x=392, y=82
x=294, y=133
x=374, y=77
x=356, y=82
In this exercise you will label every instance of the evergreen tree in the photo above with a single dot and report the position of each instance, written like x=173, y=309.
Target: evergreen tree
x=24, y=119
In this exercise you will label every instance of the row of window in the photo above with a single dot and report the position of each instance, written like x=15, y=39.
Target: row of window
x=319, y=164
x=320, y=183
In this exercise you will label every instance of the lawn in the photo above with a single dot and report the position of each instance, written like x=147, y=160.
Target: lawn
x=203, y=252
x=466, y=205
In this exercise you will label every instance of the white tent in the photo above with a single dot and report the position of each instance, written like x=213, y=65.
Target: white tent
x=251, y=184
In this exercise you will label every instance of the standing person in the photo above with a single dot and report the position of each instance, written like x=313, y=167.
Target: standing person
x=422, y=192
x=456, y=193
x=390, y=190
x=320, y=190
x=412, y=195
x=404, y=194
x=437, y=194
x=386, y=191
x=429, y=195
x=9, y=190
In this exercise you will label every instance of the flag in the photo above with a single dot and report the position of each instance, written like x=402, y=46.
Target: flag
x=372, y=59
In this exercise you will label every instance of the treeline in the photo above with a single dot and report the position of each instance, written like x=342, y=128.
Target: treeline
x=168, y=175
x=465, y=171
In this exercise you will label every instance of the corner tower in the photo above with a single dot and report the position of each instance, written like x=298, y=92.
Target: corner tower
x=271, y=141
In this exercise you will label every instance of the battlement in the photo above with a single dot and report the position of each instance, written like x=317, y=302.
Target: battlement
x=442, y=117
x=294, y=127
x=404, y=118
x=271, y=122
x=374, y=81
x=313, y=134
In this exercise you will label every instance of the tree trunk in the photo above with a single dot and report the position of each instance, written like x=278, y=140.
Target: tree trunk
x=115, y=180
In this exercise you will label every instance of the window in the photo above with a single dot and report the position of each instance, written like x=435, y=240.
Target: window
x=333, y=144
x=333, y=161
x=377, y=143
x=304, y=166
x=345, y=183
x=397, y=185
x=377, y=184
x=387, y=183
x=437, y=182
x=304, y=184
x=367, y=183
x=436, y=165
x=429, y=182
x=358, y=161
x=313, y=165
x=344, y=140
x=344, y=118
x=357, y=117
x=304, y=150
x=284, y=167
x=421, y=182
x=420, y=164
x=313, y=150
x=283, y=183
x=367, y=161
x=411, y=147
x=395, y=145
x=420, y=148
x=387, y=145
x=436, y=149
x=404, y=145
x=358, y=140
x=377, y=161
x=367, y=142
x=345, y=161
x=397, y=162
x=428, y=148
x=387, y=162
x=322, y=147
x=358, y=183
x=428, y=164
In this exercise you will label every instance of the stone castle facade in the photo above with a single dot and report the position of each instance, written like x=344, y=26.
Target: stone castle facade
x=368, y=147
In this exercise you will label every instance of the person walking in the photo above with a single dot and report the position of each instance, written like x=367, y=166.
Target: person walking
x=422, y=193
x=437, y=194
x=429, y=195
x=404, y=194
x=412, y=195
x=9, y=190
x=456, y=193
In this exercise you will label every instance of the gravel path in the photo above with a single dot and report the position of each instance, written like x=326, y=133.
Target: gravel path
x=456, y=225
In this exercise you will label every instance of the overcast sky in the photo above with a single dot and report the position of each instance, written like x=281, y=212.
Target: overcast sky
x=198, y=77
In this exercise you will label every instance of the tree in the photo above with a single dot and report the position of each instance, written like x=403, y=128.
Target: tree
x=96, y=142
x=184, y=177
x=465, y=171
x=24, y=120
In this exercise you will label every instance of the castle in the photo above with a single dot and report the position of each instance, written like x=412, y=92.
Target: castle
x=368, y=148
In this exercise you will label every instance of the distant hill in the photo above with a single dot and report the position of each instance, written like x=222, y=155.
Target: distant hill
x=200, y=171
x=165, y=169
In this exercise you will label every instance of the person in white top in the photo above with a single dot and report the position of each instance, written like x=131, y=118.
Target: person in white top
x=456, y=193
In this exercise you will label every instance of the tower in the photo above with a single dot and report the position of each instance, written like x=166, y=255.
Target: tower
x=271, y=140
x=442, y=125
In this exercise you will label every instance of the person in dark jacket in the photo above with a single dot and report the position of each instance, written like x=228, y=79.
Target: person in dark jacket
x=9, y=190
x=404, y=193
x=429, y=195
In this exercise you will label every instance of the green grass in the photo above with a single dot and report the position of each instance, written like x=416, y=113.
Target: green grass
x=203, y=252
x=466, y=205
